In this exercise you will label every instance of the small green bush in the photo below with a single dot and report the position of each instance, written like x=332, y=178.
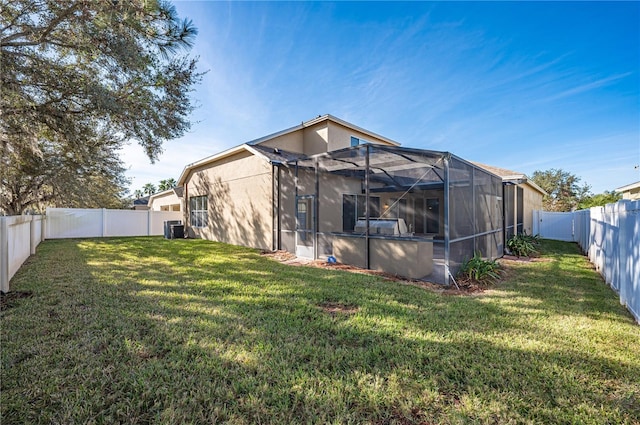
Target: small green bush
x=534, y=239
x=523, y=245
x=482, y=271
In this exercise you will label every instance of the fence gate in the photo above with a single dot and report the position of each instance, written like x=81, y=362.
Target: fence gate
x=554, y=225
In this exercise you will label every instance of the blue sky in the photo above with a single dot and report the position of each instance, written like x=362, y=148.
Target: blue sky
x=523, y=86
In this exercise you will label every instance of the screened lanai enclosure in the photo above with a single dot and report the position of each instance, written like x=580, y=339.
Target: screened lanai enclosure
x=414, y=213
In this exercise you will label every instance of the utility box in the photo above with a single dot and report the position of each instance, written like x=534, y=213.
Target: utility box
x=177, y=231
x=167, y=228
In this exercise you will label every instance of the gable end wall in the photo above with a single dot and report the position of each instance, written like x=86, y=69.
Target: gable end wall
x=239, y=194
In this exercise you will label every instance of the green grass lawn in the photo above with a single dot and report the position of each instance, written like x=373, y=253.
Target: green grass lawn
x=146, y=330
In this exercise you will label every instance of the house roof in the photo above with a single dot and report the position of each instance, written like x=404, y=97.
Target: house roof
x=318, y=119
x=509, y=175
x=254, y=147
x=277, y=154
x=502, y=172
x=141, y=201
x=209, y=159
x=631, y=186
x=177, y=190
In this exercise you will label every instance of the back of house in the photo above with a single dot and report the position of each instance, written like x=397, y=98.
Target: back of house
x=311, y=190
x=233, y=197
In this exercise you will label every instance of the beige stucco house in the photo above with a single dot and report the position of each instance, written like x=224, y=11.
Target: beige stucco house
x=327, y=187
x=630, y=191
x=233, y=196
x=522, y=197
x=167, y=200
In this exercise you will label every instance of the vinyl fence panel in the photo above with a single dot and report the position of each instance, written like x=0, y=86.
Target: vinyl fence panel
x=91, y=223
x=582, y=223
x=610, y=236
x=623, y=218
x=554, y=225
x=126, y=223
x=595, y=250
x=74, y=223
x=157, y=219
x=19, y=237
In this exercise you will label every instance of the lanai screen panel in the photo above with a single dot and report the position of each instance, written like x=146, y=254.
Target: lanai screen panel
x=509, y=209
x=405, y=184
x=409, y=184
x=475, y=208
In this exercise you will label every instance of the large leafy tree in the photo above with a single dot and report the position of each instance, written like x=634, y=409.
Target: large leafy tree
x=600, y=200
x=79, y=79
x=564, y=189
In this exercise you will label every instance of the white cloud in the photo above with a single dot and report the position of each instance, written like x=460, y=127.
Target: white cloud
x=586, y=87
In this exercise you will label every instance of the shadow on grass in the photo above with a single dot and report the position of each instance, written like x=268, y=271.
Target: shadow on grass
x=150, y=330
x=568, y=285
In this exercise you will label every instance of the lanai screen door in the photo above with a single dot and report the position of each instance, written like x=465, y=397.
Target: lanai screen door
x=305, y=227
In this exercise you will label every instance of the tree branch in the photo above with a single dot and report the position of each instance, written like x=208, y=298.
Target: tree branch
x=7, y=41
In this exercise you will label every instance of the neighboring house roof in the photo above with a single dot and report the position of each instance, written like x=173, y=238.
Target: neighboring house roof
x=509, y=175
x=141, y=201
x=270, y=154
x=628, y=187
x=177, y=190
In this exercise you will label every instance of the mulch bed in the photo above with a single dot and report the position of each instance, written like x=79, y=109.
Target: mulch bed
x=507, y=258
x=290, y=259
x=11, y=299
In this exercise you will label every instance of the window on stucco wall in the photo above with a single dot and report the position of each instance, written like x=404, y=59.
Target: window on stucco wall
x=198, y=211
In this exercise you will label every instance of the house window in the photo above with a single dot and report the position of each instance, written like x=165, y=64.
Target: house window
x=355, y=141
x=198, y=208
x=398, y=209
x=353, y=207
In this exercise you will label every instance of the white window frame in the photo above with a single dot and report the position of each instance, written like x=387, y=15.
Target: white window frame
x=199, y=211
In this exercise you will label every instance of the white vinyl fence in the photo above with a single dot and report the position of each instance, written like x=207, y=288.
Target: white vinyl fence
x=610, y=236
x=95, y=223
x=19, y=237
x=554, y=225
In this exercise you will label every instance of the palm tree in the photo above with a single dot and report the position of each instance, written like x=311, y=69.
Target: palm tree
x=138, y=193
x=149, y=189
x=167, y=184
